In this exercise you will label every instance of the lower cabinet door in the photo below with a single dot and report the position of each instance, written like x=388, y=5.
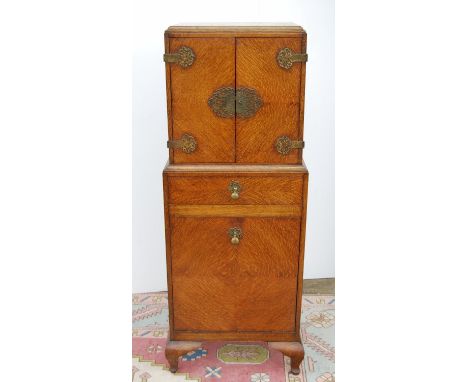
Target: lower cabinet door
x=234, y=274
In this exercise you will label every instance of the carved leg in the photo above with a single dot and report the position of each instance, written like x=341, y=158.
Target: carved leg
x=174, y=349
x=293, y=350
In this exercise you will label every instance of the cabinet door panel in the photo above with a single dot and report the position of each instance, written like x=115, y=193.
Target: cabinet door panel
x=191, y=87
x=219, y=286
x=280, y=90
x=203, y=274
x=267, y=263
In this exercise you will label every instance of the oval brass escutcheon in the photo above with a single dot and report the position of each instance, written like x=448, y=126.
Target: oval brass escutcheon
x=284, y=145
x=227, y=102
x=223, y=102
x=248, y=101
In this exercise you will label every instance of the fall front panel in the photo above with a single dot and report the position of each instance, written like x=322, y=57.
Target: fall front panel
x=234, y=281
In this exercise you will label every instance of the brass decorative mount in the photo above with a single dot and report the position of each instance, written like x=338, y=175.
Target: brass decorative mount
x=286, y=58
x=184, y=57
x=284, y=145
x=186, y=143
x=242, y=102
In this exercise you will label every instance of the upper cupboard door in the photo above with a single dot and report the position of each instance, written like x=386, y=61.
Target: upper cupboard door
x=274, y=133
x=195, y=69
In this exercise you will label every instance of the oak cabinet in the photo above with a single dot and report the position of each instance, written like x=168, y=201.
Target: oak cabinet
x=235, y=187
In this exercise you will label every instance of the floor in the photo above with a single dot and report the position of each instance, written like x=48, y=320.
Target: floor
x=319, y=286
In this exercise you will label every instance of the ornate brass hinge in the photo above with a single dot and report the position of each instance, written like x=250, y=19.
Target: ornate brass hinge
x=286, y=58
x=284, y=145
x=184, y=57
x=186, y=143
x=227, y=102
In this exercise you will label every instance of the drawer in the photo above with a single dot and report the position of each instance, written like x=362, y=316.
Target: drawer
x=236, y=189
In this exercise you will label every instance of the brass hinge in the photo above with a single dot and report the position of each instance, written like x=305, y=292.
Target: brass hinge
x=184, y=57
x=286, y=58
x=284, y=145
x=186, y=143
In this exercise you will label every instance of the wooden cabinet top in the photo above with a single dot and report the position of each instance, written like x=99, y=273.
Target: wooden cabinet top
x=235, y=29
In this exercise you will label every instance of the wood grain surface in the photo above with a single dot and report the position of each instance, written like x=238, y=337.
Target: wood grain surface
x=250, y=210
x=280, y=90
x=194, y=335
x=190, y=89
x=300, y=271
x=254, y=190
x=267, y=262
x=195, y=169
x=235, y=30
x=214, y=281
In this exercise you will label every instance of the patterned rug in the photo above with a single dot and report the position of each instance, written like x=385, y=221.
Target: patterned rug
x=231, y=361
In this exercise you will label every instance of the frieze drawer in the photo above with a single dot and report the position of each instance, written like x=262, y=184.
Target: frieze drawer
x=236, y=189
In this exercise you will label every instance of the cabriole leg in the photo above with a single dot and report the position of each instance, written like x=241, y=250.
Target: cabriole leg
x=293, y=350
x=175, y=349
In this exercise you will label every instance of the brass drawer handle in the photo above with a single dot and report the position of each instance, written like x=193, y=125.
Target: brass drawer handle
x=286, y=58
x=184, y=57
x=227, y=102
x=235, y=234
x=186, y=143
x=284, y=145
x=234, y=188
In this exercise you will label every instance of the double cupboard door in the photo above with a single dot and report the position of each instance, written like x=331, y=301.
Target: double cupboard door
x=235, y=99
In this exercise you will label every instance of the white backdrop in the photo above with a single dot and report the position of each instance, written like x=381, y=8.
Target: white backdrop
x=150, y=123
